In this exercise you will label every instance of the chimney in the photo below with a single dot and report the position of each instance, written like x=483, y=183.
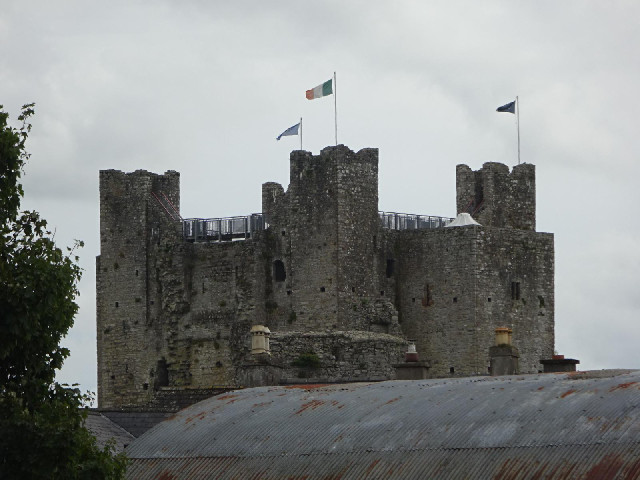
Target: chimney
x=260, y=340
x=559, y=364
x=412, y=368
x=411, y=355
x=503, y=356
x=503, y=336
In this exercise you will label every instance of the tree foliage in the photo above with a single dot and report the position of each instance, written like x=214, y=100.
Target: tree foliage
x=42, y=432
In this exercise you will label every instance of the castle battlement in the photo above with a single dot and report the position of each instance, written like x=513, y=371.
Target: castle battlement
x=340, y=285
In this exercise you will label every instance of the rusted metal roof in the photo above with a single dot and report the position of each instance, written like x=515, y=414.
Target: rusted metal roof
x=584, y=425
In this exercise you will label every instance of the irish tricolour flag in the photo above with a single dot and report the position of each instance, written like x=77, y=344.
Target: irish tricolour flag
x=321, y=90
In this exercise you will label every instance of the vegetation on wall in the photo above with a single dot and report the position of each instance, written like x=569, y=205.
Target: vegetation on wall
x=307, y=360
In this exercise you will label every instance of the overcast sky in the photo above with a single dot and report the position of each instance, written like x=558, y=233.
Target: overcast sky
x=204, y=87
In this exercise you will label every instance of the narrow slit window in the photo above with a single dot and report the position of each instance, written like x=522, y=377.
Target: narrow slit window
x=515, y=290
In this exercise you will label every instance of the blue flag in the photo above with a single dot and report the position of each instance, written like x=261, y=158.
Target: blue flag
x=289, y=131
x=509, y=107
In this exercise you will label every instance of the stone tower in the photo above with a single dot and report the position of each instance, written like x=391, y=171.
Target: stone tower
x=456, y=285
x=325, y=229
x=496, y=197
x=135, y=218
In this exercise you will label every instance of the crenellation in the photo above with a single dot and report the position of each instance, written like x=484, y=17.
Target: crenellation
x=340, y=294
x=497, y=198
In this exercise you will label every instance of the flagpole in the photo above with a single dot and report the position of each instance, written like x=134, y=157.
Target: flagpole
x=300, y=133
x=518, y=124
x=335, y=105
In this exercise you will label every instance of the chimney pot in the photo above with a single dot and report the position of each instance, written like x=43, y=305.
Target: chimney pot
x=411, y=355
x=503, y=336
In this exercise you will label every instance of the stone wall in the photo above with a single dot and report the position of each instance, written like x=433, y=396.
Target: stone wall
x=326, y=357
x=456, y=285
x=131, y=219
x=331, y=284
x=324, y=231
x=496, y=197
x=515, y=270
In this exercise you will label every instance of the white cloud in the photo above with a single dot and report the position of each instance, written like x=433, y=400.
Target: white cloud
x=205, y=87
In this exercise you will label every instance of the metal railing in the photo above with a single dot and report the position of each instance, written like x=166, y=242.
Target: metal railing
x=241, y=228
x=407, y=221
x=222, y=229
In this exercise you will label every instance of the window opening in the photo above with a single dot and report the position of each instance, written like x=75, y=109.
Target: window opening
x=279, y=271
x=390, y=267
x=515, y=290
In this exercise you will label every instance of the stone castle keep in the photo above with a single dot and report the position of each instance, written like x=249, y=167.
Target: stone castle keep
x=340, y=285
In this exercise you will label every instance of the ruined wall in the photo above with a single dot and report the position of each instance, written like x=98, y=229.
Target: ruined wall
x=206, y=304
x=342, y=356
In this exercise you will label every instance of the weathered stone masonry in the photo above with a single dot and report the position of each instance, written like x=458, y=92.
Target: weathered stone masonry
x=340, y=293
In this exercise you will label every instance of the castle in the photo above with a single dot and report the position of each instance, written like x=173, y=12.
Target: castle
x=340, y=285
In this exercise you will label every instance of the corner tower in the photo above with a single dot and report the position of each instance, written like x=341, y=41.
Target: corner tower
x=138, y=211
x=497, y=198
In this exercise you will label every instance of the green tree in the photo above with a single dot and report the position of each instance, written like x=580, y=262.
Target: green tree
x=42, y=433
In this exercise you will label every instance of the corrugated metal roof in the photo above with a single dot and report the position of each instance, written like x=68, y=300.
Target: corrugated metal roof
x=560, y=425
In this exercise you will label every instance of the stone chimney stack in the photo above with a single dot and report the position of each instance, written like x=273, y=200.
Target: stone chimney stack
x=412, y=368
x=558, y=363
x=503, y=356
